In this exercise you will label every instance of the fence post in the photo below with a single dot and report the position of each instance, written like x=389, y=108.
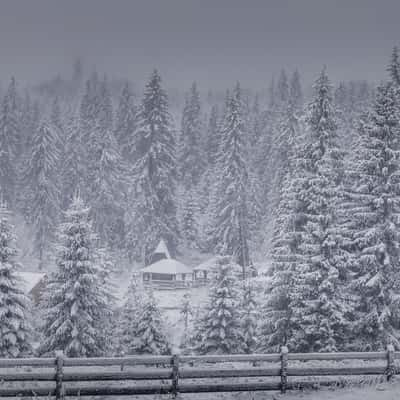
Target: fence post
x=175, y=374
x=390, y=369
x=284, y=363
x=59, y=375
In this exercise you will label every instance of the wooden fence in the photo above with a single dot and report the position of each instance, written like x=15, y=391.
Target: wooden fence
x=62, y=377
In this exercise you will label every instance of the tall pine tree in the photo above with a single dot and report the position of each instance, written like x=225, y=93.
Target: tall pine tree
x=75, y=302
x=40, y=176
x=318, y=307
x=231, y=231
x=374, y=224
x=10, y=142
x=218, y=329
x=154, y=175
x=14, y=328
x=125, y=124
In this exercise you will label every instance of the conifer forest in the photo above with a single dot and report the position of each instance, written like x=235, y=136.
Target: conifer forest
x=186, y=204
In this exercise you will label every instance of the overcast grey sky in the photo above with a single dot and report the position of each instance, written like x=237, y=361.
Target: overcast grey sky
x=212, y=41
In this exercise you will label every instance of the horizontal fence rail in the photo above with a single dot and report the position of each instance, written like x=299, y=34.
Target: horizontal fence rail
x=62, y=377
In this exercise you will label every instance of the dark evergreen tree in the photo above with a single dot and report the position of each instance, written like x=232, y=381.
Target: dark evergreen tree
x=394, y=66
x=9, y=143
x=296, y=96
x=125, y=124
x=282, y=89
x=212, y=141
x=154, y=175
x=191, y=160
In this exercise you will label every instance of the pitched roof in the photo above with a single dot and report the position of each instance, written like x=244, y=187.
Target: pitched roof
x=162, y=249
x=207, y=265
x=167, y=266
x=30, y=279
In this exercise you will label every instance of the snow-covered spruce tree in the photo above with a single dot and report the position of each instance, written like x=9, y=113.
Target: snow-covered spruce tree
x=287, y=125
x=282, y=89
x=107, y=192
x=277, y=322
x=255, y=124
x=14, y=329
x=105, y=189
x=230, y=233
x=125, y=124
x=319, y=309
x=296, y=96
x=219, y=325
x=89, y=109
x=40, y=176
x=212, y=141
x=88, y=130
x=207, y=193
x=249, y=317
x=288, y=130
x=276, y=325
x=150, y=335
x=265, y=163
x=9, y=143
x=375, y=218
x=130, y=314
x=286, y=121
x=56, y=119
x=191, y=160
x=191, y=166
x=72, y=162
x=186, y=315
x=76, y=302
x=394, y=67
x=188, y=217
x=154, y=175
x=29, y=123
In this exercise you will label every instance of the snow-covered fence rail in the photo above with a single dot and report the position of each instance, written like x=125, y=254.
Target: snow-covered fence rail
x=63, y=377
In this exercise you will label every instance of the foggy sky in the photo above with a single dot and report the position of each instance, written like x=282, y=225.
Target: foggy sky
x=215, y=42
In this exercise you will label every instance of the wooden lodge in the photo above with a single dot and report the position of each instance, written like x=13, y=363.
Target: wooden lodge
x=166, y=272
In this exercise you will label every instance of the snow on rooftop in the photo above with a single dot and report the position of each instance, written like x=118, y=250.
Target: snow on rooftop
x=162, y=249
x=30, y=279
x=167, y=266
x=207, y=265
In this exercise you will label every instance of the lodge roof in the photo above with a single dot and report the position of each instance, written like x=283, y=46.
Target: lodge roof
x=29, y=280
x=207, y=265
x=162, y=249
x=167, y=266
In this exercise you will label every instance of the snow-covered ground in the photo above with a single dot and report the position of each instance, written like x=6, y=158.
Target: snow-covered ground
x=390, y=391
x=378, y=392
